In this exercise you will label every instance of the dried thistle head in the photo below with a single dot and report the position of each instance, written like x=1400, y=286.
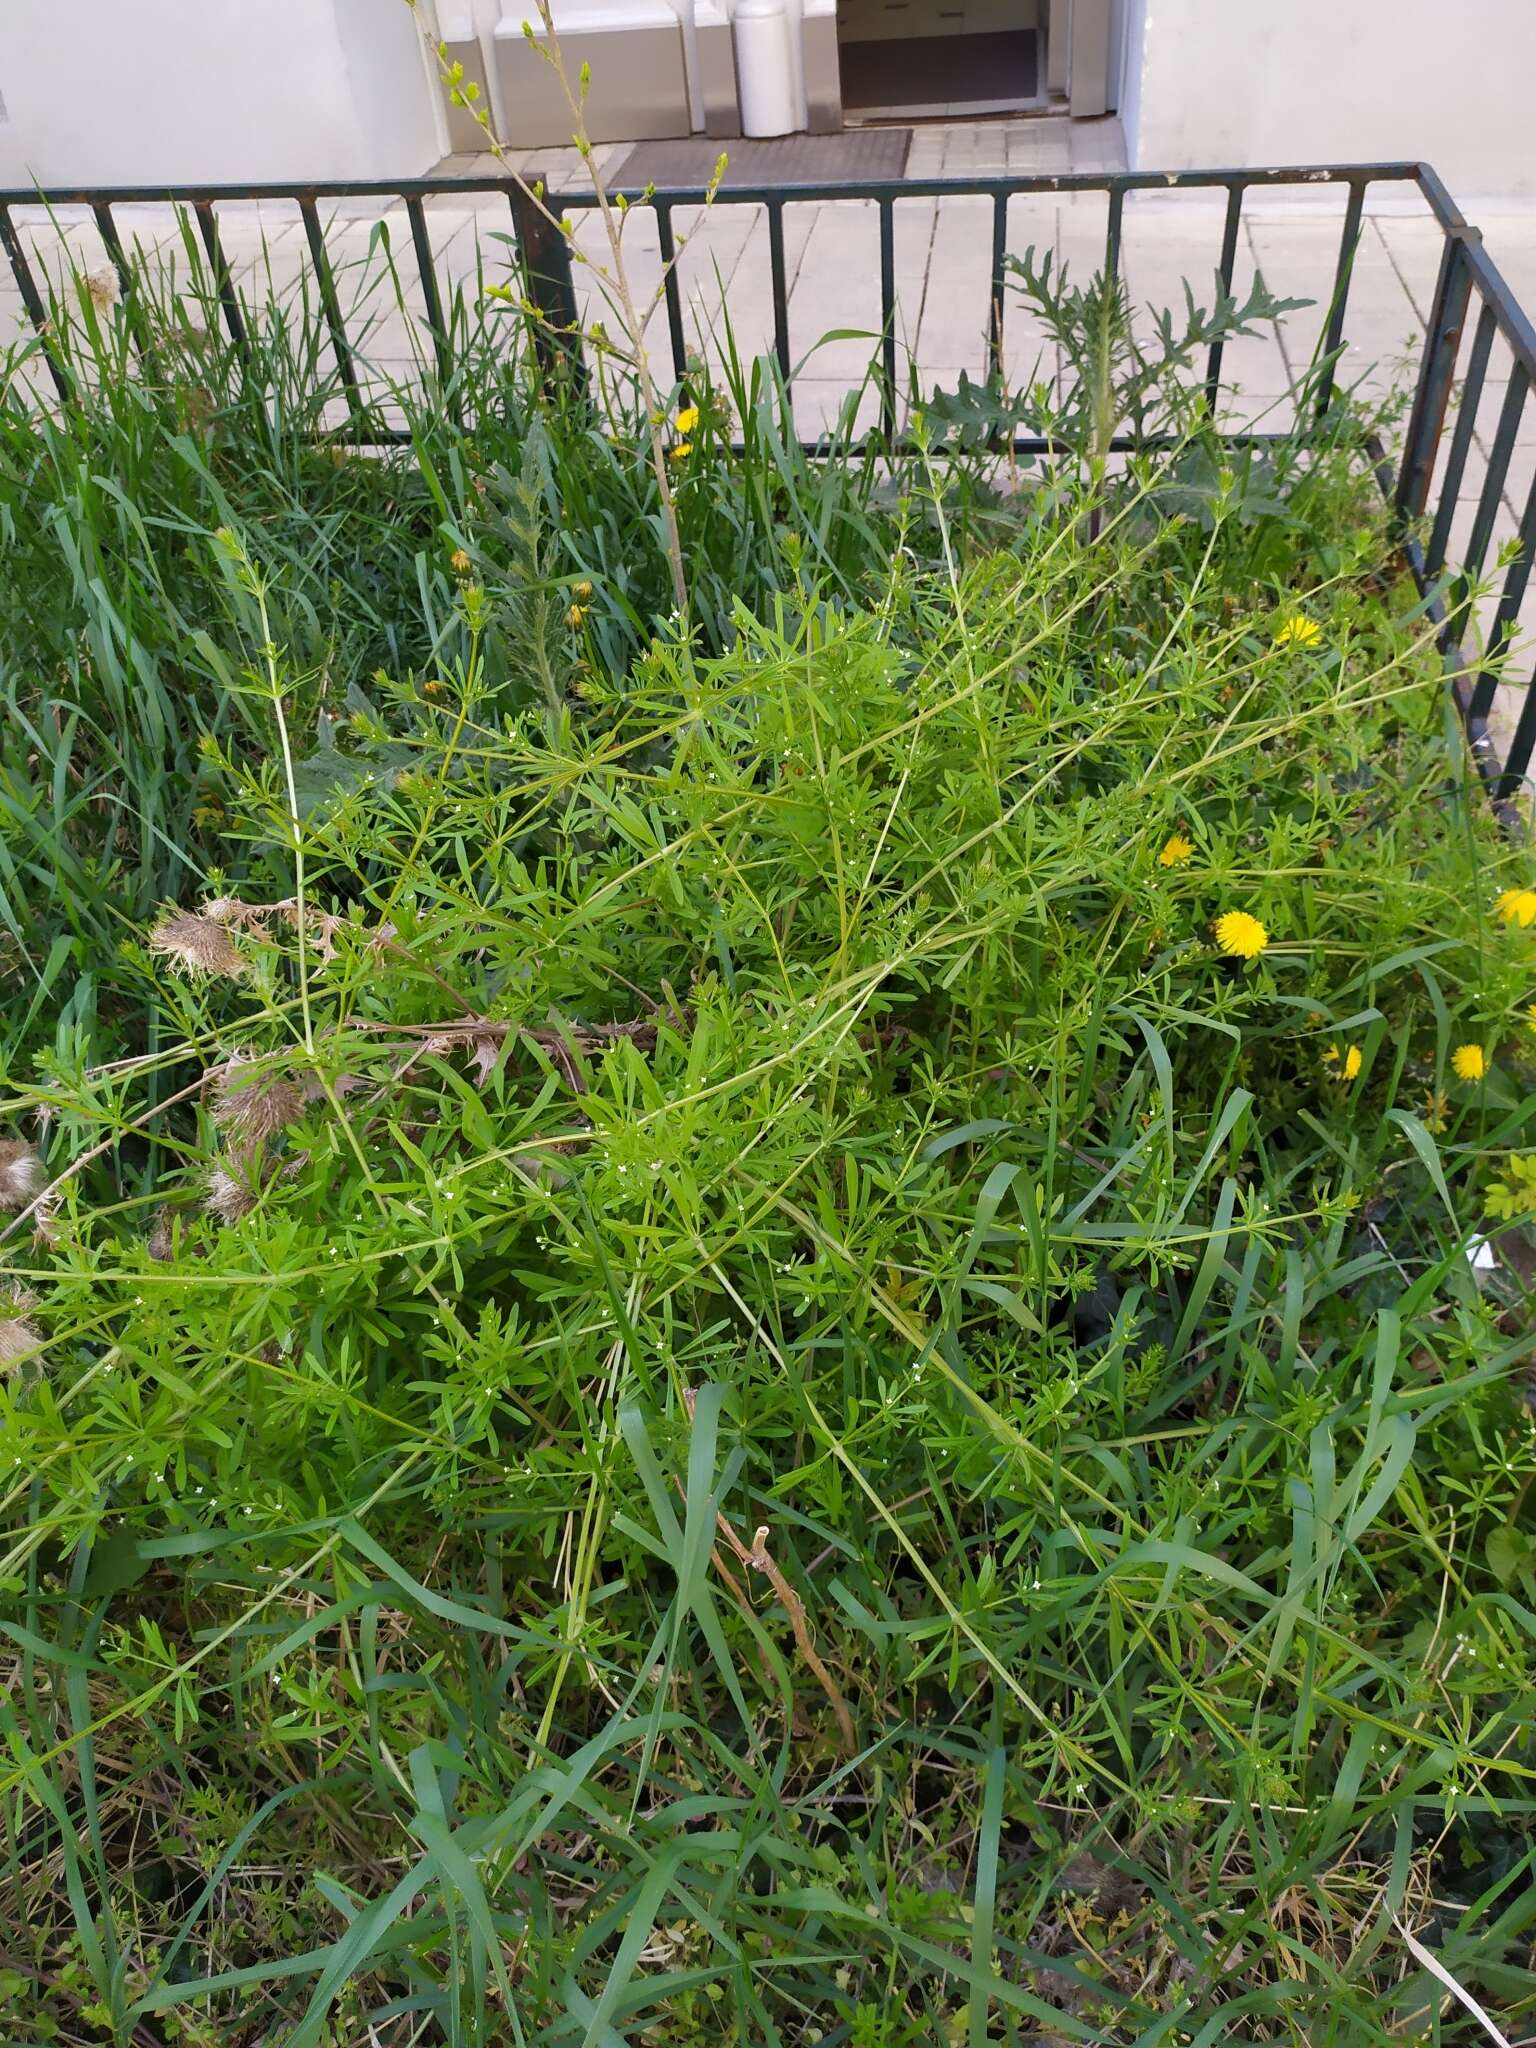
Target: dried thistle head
x=318, y=926
x=232, y=1190
x=104, y=286
x=254, y=1102
x=45, y=1228
x=18, y=1341
x=485, y=1049
x=18, y=1338
x=21, y=1174
x=198, y=943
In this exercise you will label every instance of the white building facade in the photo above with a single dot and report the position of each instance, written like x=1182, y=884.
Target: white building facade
x=150, y=92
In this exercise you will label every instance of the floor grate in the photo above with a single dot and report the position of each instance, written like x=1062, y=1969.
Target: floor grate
x=858, y=153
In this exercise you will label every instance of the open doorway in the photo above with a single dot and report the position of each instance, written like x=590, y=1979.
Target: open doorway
x=917, y=59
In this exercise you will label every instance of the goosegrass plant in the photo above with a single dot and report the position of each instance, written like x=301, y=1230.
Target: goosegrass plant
x=777, y=1344
x=118, y=658
x=200, y=399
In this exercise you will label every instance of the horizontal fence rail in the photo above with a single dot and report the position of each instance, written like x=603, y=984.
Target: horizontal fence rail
x=1473, y=311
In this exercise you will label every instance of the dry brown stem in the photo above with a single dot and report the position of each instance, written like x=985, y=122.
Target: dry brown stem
x=758, y=1558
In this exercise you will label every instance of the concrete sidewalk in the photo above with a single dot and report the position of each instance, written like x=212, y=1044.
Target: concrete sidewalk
x=1290, y=236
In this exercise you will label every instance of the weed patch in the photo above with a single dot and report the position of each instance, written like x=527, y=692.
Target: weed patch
x=753, y=1326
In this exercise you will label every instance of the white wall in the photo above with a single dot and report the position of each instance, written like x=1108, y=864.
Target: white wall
x=396, y=96
x=1312, y=81
x=101, y=92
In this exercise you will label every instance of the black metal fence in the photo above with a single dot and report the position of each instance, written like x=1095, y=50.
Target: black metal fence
x=1425, y=481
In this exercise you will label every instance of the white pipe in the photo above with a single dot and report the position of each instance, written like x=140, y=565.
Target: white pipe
x=765, y=68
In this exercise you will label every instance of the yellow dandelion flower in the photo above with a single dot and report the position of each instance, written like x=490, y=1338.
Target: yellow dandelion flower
x=1470, y=1062
x=582, y=590
x=1517, y=906
x=683, y=448
x=1349, y=1062
x=1240, y=935
x=687, y=420
x=1530, y=1017
x=458, y=561
x=575, y=615
x=1176, y=852
x=1299, y=631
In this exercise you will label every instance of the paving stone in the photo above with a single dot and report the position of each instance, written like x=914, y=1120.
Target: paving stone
x=819, y=405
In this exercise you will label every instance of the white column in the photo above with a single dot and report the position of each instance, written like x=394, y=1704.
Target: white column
x=766, y=71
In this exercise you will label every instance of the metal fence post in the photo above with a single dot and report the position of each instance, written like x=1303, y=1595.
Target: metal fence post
x=229, y=298
x=1333, y=339
x=128, y=286
x=779, y=281
x=667, y=243
x=325, y=285
x=1231, y=228
x=37, y=312
x=546, y=259
x=888, y=319
x=1436, y=372
x=431, y=298
x=999, y=281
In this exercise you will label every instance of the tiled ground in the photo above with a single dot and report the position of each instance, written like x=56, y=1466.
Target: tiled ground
x=942, y=259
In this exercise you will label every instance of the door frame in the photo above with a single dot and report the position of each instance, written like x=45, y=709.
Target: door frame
x=1085, y=54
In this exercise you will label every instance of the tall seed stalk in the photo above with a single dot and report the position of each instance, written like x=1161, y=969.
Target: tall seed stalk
x=614, y=274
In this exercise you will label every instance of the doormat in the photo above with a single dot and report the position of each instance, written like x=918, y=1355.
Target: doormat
x=858, y=154
x=942, y=74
